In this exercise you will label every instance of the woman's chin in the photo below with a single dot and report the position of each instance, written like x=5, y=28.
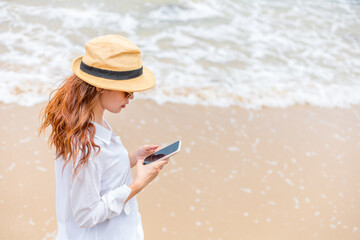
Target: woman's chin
x=117, y=110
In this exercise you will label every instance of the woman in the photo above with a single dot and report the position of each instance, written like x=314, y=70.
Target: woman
x=95, y=193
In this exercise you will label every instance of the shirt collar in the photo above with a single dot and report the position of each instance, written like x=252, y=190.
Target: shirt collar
x=103, y=133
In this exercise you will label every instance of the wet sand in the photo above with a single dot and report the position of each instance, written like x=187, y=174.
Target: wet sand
x=242, y=174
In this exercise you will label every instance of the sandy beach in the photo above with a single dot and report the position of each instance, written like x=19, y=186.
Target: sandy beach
x=274, y=173
x=288, y=171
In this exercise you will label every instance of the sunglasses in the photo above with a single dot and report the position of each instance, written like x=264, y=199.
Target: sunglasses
x=128, y=95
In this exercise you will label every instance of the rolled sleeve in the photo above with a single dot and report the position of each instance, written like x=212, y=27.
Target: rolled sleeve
x=116, y=199
x=89, y=208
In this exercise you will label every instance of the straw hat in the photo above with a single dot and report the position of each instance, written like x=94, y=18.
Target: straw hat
x=113, y=62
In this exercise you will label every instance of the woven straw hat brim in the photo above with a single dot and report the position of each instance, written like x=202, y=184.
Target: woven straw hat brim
x=142, y=83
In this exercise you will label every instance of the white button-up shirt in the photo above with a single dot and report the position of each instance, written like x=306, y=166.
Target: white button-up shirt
x=92, y=206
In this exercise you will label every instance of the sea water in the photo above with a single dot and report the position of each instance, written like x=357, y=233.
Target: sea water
x=253, y=54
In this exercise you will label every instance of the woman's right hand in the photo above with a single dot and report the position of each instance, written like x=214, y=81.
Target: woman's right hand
x=145, y=174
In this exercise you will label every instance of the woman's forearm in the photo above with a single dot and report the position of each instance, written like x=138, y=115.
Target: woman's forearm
x=135, y=189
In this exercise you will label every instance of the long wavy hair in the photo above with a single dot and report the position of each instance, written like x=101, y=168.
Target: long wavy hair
x=70, y=112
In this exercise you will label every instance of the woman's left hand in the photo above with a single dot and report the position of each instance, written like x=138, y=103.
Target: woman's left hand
x=142, y=152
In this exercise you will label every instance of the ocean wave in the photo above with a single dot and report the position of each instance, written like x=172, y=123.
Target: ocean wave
x=210, y=52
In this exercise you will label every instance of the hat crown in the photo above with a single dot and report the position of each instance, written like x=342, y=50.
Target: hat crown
x=112, y=52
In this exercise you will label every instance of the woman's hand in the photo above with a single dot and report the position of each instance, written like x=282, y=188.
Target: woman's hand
x=141, y=153
x=145, y=174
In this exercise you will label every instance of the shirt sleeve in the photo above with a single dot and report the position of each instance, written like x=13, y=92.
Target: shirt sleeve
x=88, y=206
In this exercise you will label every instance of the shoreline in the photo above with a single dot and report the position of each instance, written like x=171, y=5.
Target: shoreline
x=290, y=173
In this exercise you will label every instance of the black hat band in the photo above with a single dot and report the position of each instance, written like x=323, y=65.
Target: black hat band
x=108, y=74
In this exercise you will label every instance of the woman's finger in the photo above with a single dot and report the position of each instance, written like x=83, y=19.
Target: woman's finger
x=150, y=147
x=159, y=163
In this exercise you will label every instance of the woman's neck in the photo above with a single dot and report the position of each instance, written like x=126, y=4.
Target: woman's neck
x=99, y=115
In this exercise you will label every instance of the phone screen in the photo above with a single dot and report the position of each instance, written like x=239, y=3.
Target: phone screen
x=162, y=153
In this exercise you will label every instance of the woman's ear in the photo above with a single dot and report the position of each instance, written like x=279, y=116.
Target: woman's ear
x=99, y=90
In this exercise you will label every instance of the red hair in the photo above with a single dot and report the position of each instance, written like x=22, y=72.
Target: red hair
x=70, y=112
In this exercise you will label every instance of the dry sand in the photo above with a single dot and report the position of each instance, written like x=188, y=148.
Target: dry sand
x=270, y=174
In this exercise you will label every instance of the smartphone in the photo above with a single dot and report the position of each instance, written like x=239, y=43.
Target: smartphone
x=165, y=152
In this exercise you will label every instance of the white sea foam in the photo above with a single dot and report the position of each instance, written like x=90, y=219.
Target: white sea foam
x=288, y=181
x=246, y=190
x=209, y=52
x=296, y=203
x=25, y=140
x=11, y=167
x=233, y=149
x=31, y=221
x=41, y=169
x=271, y=162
